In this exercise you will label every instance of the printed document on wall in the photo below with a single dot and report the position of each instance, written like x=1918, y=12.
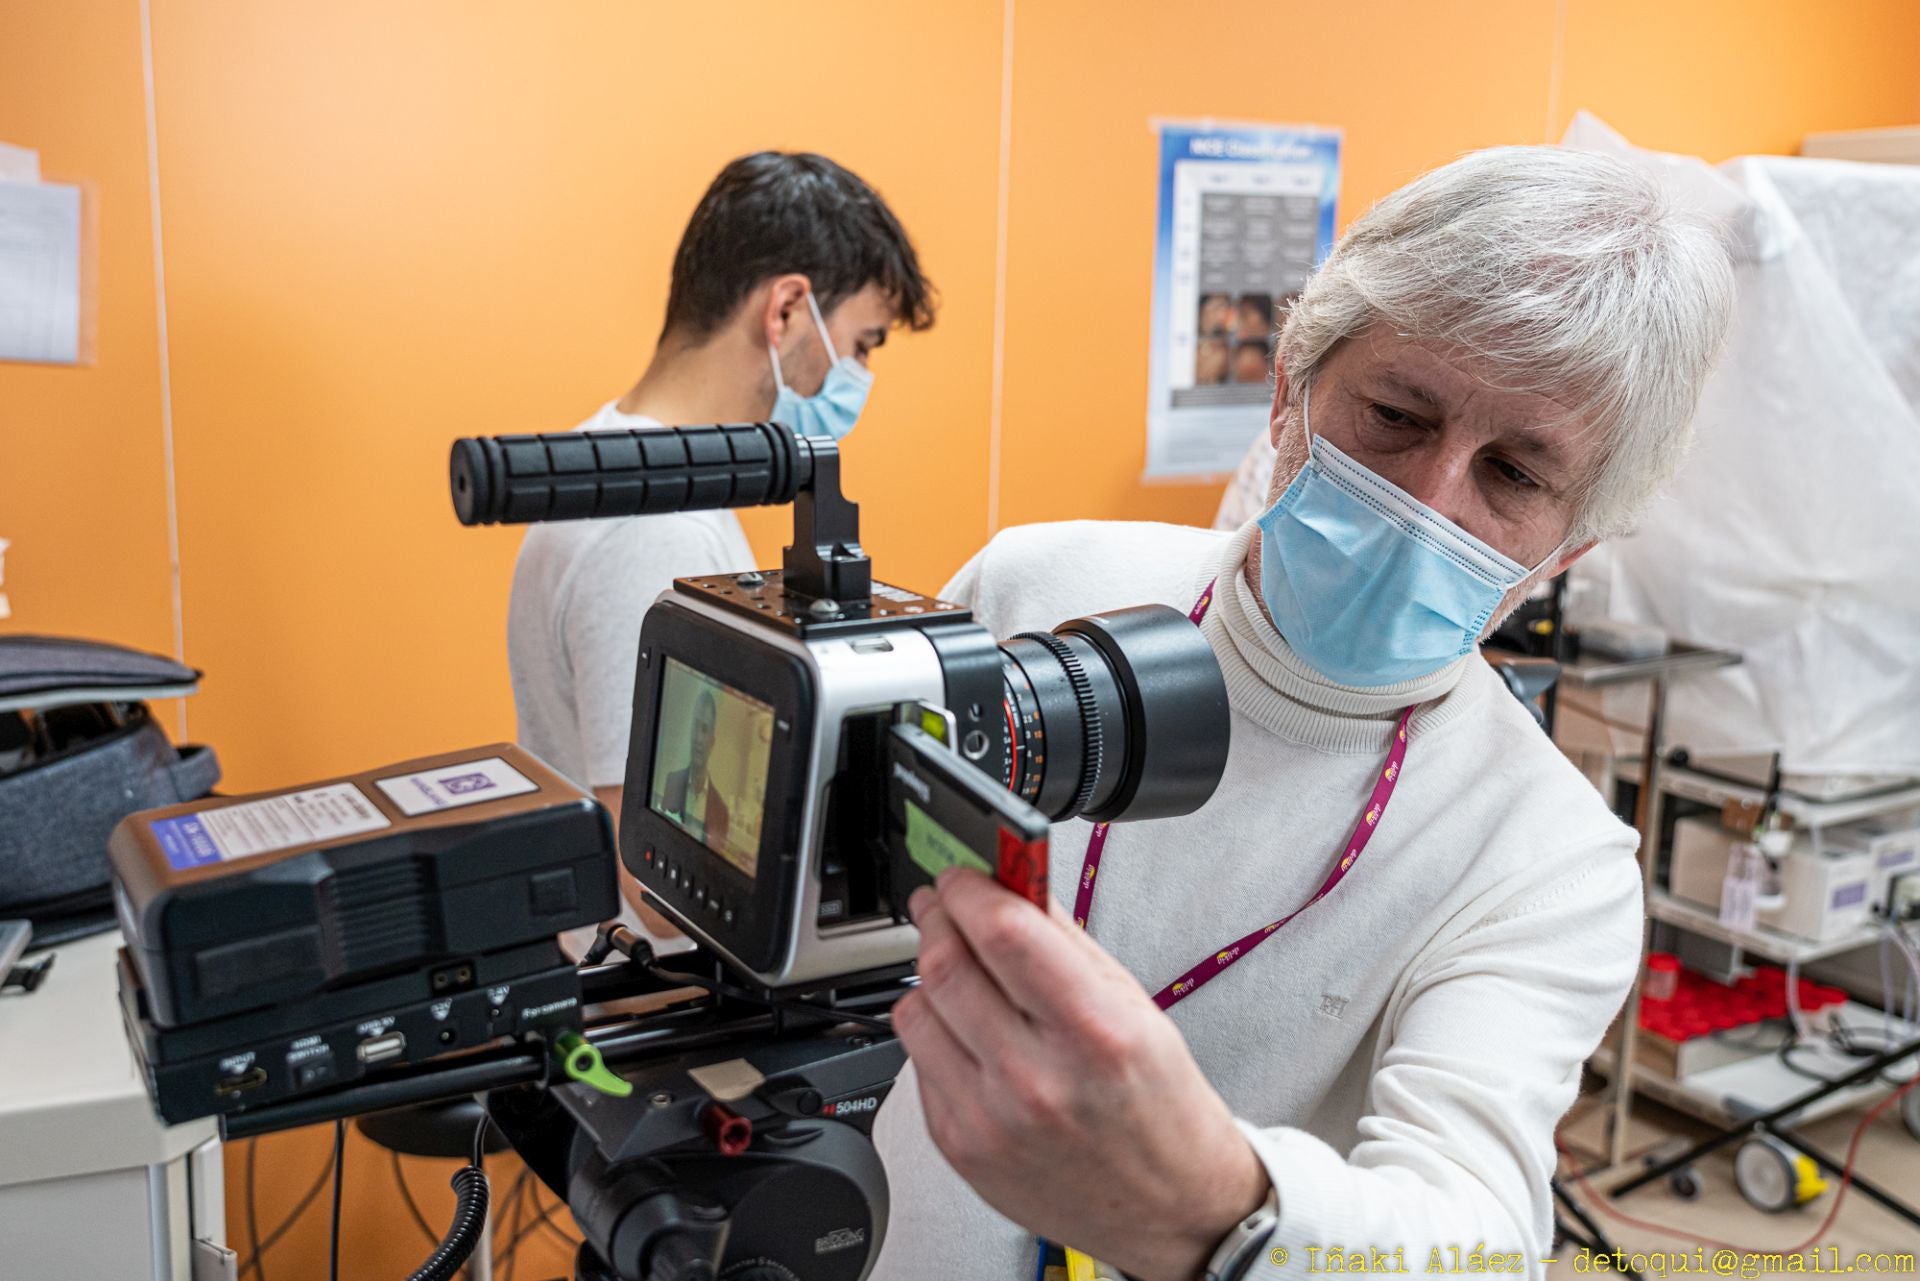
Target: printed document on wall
x=40, y=272
x=1246, y=213
x=19, y=164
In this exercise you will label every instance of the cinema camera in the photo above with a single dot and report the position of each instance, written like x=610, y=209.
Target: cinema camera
x=873, y=736
x=807, y=746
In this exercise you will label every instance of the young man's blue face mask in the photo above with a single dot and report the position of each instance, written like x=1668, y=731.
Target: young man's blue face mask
x=833, y=409
x=1368, y=584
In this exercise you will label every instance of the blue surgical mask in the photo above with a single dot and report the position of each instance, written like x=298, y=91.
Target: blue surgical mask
x=833, y=409
x=1368, y=584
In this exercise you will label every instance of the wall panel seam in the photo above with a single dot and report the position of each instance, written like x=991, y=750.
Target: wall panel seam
x=165, y=356
x=1002, y=200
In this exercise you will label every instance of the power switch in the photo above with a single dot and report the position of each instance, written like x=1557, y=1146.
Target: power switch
x=314, y=1071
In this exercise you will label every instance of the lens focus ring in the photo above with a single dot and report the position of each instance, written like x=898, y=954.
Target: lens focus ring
x=1090, y=727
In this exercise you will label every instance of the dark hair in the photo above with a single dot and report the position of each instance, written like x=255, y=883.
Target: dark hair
x=771, y=213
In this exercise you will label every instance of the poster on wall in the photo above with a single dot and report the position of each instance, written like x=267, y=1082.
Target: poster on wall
x=43, y=265
x=1246, y=212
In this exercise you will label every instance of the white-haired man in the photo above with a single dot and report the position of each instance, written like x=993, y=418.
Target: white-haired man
x=1494, y=369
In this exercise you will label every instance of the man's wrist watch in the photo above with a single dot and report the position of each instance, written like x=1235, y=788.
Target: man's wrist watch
x=1233, y=1257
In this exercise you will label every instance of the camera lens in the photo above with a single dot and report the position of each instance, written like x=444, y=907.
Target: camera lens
x=1116, y=715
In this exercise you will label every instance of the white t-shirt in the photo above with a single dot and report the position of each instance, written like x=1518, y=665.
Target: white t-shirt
x=1246, y=494
x=580, y=589
x=1399, y=1055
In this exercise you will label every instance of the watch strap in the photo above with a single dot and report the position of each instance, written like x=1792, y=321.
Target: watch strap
x=1242, y=1244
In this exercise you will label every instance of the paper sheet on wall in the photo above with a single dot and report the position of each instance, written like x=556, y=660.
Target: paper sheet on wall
x=1245, y=214
x=40, y=272
x=18, y=164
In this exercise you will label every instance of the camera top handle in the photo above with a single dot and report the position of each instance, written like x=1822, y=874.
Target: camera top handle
x=581, y=475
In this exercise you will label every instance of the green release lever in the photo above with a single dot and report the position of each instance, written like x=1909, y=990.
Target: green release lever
x=581, y=1060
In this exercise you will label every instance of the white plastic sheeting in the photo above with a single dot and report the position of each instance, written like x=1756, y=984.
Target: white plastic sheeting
x=1793, y=533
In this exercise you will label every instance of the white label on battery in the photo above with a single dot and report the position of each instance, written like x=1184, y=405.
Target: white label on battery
x=298, y=818
x=467, y=783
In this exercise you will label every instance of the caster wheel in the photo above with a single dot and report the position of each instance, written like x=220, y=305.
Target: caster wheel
x=1774, y=1177
x=1910, y=1111
x=1684, y=1183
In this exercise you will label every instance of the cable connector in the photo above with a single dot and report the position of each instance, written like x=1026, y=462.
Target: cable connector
x=614, y=937
x=630, y=945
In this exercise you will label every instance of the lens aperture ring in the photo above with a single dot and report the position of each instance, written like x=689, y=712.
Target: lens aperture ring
x=1090, y=734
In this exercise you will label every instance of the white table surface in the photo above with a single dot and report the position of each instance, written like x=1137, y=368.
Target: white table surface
x=71, y=1097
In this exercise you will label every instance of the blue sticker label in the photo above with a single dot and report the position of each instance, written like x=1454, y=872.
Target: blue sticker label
x=186, y=842
x=242, y=830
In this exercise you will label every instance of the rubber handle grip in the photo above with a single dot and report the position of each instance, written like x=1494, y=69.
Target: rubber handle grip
x=581, y=475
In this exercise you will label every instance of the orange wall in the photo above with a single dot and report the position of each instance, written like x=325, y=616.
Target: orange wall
x=391, y=225
x=387, y=225
x=83, y=486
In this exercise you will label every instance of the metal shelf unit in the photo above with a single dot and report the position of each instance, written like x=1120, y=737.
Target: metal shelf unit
x=1731, y=1092
x=1681, y=660
x=1768, y=944
x=1813, y=817
x=1768, y=1083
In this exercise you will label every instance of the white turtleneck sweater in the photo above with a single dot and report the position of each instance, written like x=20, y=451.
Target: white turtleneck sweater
x=1400, y=1054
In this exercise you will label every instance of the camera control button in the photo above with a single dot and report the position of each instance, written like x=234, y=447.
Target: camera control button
x=313, y=1071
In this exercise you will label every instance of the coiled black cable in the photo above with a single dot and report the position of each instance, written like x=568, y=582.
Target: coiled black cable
x=469, y=1215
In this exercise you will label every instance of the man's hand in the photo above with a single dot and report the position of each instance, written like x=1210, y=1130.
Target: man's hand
x=1061, y=1093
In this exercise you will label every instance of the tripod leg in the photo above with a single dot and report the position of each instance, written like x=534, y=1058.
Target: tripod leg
x=1599, y=1243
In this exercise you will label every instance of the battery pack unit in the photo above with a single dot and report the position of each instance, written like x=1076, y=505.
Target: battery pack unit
x=235, y=904
x=341, y=1037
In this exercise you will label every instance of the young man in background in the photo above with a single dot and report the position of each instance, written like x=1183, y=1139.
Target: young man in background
x=788, y=277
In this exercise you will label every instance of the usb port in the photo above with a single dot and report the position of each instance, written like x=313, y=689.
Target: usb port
x=242, y=1083
x=379, y=1049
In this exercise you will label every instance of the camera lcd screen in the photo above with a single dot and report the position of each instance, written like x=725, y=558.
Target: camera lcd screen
x=710, y=763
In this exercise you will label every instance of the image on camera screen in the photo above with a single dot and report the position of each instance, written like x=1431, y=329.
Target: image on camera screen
x=710, y=763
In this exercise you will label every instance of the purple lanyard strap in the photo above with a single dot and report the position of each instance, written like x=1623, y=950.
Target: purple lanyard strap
x=1190, y=982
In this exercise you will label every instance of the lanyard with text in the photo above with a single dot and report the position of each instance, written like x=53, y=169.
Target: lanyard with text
x=1190, y=982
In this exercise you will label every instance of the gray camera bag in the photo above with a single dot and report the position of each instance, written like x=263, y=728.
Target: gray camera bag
x=61, y=799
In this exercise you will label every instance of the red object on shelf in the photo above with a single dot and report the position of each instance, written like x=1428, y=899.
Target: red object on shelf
x=1681, y=1005
x=1663, y=976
